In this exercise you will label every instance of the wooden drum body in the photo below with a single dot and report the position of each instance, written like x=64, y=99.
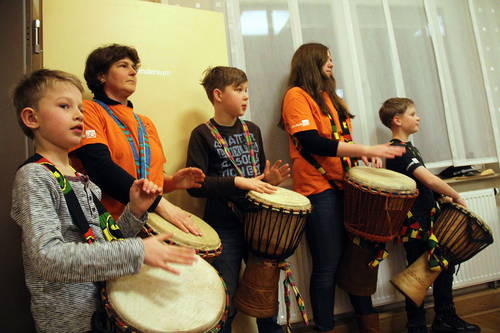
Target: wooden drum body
x=376, y=202
x=157, y=301
x=273, y=228
x=354, y=274
x=461, y=235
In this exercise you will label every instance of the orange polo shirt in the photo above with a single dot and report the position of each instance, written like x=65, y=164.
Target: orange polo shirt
x=99, y=127
x=301, y=113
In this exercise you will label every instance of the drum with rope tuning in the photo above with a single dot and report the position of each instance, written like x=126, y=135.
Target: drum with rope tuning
x=460, y=234
x=273, y=228
x=376, y=202
x=207, y=246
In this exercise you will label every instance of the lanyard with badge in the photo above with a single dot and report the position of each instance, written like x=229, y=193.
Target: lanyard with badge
x=248, y=139
x=142, y=154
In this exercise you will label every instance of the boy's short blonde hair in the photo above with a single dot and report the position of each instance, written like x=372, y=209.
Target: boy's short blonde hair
x=32, y=87
x=393, y=107
x=220, y=77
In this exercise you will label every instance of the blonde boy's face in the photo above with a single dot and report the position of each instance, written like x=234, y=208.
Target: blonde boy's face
x=57, y=122
x=409, y=121
x=234, y=100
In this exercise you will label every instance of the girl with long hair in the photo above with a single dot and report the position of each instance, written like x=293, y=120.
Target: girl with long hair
x=319, y=124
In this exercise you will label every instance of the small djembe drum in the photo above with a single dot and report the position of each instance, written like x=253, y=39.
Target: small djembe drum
x=157, y=301
x=461, y=235
x=206, y=246
x=273, y=228
x=376, y=203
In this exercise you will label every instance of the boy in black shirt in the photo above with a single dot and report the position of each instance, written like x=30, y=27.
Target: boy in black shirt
x=231, y=154
x=400, y=116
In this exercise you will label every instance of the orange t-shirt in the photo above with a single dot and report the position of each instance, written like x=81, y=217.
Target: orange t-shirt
x=301, y=113
x=101, y=128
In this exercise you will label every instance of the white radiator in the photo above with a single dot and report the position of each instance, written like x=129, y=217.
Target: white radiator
x=484, y=267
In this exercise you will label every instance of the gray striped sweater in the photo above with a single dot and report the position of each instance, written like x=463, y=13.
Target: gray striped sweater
x=59, y=268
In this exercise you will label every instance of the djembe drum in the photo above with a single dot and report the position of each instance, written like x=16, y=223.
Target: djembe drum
x=461, y=235
x=157, y=301
x=206, y=246
x=376, y=203
x=273, y=227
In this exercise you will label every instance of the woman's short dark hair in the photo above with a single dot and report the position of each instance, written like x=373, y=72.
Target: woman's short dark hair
x=100, y=60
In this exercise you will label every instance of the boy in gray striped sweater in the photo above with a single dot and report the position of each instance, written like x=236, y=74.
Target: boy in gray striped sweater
x=65, y=251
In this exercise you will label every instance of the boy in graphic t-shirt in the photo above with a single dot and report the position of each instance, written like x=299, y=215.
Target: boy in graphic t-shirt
x=231, y=154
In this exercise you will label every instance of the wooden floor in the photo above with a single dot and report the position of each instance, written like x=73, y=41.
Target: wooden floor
x=481, y=308
x=489, y=321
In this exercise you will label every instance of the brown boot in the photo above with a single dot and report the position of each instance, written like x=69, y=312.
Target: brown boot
x=368, y=323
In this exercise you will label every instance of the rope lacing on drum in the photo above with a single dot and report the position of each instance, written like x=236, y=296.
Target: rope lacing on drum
x=289, y=283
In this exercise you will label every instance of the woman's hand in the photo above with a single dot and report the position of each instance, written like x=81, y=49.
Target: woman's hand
x=177, y=216
x=142, y=195
x=159, y=254
x=384, y=150
x=254, y=184
x=184, y=178
x=277, y=173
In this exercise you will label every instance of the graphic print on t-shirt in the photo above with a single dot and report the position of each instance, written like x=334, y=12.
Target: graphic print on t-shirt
x=239, y=149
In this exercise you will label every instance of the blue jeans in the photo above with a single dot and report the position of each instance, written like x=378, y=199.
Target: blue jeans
x=326, y=236
x=442, y=288
x=228, y=264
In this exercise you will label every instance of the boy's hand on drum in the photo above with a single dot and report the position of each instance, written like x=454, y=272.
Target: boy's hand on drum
x=178, y=217
x=459, y=200
x=142, y=195
x=277, y=173
x=188, y=178
x=254, y=184
x=159, y=254
x=384, y=150
x=374, y=162
x=445, y=199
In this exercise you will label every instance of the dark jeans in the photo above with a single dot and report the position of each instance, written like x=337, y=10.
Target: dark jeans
x=228, y=264
x=326, y=236
x=441, y=289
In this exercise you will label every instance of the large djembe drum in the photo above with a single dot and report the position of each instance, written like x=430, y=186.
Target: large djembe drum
x=376, y=203
x=206, y=246
x=273, y=228
x=157, y=301
x=461, y=235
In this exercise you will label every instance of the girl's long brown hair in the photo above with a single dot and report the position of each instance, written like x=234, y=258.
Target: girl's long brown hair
x=306, y=73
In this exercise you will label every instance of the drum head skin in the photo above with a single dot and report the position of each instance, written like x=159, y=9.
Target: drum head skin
x=157, y=301
x=282, y=198
x=208, y=242
x=382, y=179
